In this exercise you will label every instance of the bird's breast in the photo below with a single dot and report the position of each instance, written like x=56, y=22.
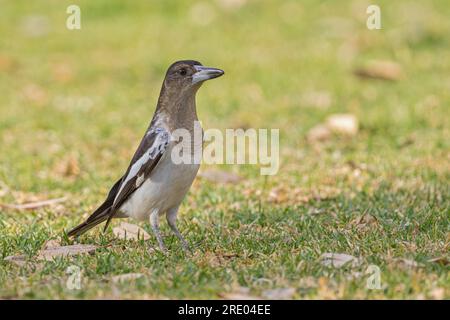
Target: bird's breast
x=164, y=189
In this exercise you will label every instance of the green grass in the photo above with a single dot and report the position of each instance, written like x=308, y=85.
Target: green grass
x=85, y=97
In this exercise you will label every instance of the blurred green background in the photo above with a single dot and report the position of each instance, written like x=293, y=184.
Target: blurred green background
x=75, y=103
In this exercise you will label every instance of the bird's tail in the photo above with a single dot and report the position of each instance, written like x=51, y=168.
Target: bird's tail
x=89, y=224
x=103, y=213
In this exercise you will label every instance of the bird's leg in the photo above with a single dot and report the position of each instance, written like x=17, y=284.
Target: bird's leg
x=154, y=222
x=171, y=216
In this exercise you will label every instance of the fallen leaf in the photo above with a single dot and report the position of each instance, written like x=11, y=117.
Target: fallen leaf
x=238, y=296
x=278, y=294
x=231, y=4
x=338, y=260
x=326, y=193
x=317, y=99
x=277, y=195
x=19, y=260
x=51, y=244
x=64, y=251
x=365, y=221
x=62, y=72
x=236, y=206
x=35, y=93
x=240, y=293
x=127, y=277
x=7, y=63
x=326, y=289
x=354, y=275
x=308, y=282
x=220, y=176
x=33, y=205
x=130, y=231
x=407, y=263
x=346, y=124
x=229, y=255
x=440, y=260
x=4, y=189
x=378, y=69
x=438, y=293
x=68, y=167
x=318, y=133
x=21, y=197
x=342, y=124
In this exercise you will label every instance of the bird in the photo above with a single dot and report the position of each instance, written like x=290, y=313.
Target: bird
x=154, y=184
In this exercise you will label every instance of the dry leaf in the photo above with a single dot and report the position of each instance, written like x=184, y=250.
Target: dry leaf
x=279, y=294
x=127, y=277
x=318, y=133
x=24, y=197
x=438, y=293
x=19, y=260
x=346, y=124
x=35, y=93
x=354, y=275
x=240, y=293
x=4, y=189
x=220, y=176
x=308, y=282
x=407, y=263
x=231, y=4
x=364, y=222
x=209, y=259
x=338, y=260
x=277, y=195
x=238, y=296
x=68, y=167
x=51, y=244
x=384, y=70
x=326, y=288
x=7, y=63
x=64, y=251
x=236, y=206
x=33, y=205
x=317, y=99
x=130, y=231
x=62, y=72
x=440, y=260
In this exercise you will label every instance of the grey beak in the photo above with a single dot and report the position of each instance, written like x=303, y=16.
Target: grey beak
x=205, y=73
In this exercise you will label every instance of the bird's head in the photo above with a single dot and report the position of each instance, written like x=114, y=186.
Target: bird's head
x=177, y=97
x=189, y=74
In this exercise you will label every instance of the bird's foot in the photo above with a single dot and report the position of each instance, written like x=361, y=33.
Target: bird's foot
x=162, y=247
x=186, y=246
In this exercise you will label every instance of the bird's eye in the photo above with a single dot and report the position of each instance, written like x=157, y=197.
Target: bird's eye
x=182, y=72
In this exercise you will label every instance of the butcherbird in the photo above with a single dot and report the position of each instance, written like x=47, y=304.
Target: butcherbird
x=154, y=184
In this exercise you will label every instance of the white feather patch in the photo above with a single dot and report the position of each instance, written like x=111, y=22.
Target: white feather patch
x=139, y=180
x=158, y=147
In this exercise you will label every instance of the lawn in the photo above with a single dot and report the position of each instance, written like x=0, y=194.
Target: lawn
x=75, y=103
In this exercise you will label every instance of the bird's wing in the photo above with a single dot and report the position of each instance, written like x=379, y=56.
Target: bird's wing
x=145, y=159
x=147, y=156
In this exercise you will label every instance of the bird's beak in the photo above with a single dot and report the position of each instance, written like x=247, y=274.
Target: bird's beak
x=205, y=73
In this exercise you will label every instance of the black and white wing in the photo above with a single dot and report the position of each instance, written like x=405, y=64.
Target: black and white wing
x=145, y=159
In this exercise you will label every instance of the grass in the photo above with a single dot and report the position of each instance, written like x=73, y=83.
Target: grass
x=74, y=105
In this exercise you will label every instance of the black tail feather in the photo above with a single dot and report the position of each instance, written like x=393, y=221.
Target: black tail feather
x=104, y=212
x=89, y=224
